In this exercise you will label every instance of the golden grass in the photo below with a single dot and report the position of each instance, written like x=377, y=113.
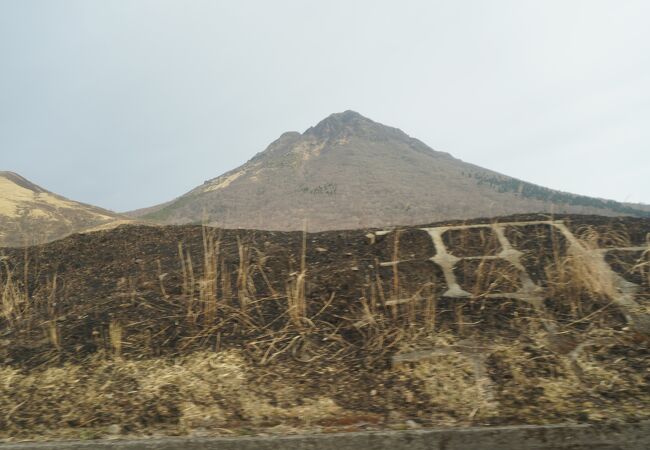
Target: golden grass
x=14, y=197
x=115, y=334
x=582, y=270
x=14, y=300
x=200, y=293
x=208, y=284
x=448, y=375
x=296, y=300
x=202, y=390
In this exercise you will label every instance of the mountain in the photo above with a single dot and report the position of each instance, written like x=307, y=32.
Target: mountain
x=349, y=172
x=30, y=214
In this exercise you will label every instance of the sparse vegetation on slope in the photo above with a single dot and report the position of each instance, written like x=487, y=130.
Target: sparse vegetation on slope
x=350, y=172
x=179, y=329
x=533, y=191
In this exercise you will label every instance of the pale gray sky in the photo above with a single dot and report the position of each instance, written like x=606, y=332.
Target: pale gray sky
x=129, y=103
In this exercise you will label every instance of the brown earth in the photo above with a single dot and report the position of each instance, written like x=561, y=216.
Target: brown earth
x=247, y=332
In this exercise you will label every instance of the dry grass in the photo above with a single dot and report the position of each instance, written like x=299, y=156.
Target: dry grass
x=296, y=297
x=642, y=265
x=449, y=373
x=208, y=284
x=15, y=303
x=582, y=269
x=189, y=282
x=579, y=384
x=200, y=293
x=584, y=288
x=115, y=334
x=202, y=390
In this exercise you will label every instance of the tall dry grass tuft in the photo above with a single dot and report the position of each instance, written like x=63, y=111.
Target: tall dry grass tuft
x=395, y=293
x=430, y=308
x=244, y=293
x=210, y=293
x=161, y=277
x=53, y=334
x=51, y=286
x=642, y=265
x=296, y=295
x=51, y=306
x=587, y=263
x=14, y=302
x=115, y=334
x=581, y=271
x=208, y=283
x=188, y=284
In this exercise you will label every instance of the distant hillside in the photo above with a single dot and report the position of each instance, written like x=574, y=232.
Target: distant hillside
x=30, y=214
x=351, y=172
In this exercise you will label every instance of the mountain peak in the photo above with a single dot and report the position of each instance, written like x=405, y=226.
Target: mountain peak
x=337, y=124
x=347, y=116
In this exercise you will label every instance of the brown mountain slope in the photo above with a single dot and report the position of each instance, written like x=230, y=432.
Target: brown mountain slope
x=350, y=172
x=30, y=214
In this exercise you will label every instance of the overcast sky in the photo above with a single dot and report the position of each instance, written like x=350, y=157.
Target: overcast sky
x=125, y=104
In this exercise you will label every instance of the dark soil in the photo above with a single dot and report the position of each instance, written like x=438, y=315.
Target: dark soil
x=133, y=276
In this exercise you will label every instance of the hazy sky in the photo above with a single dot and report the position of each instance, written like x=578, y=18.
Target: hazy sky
x=125, y=104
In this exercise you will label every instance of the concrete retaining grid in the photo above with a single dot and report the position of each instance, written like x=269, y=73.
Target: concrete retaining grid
x=574, y=437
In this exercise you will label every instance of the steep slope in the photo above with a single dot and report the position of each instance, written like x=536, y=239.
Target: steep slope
x=30, y=214
x=350, y=172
